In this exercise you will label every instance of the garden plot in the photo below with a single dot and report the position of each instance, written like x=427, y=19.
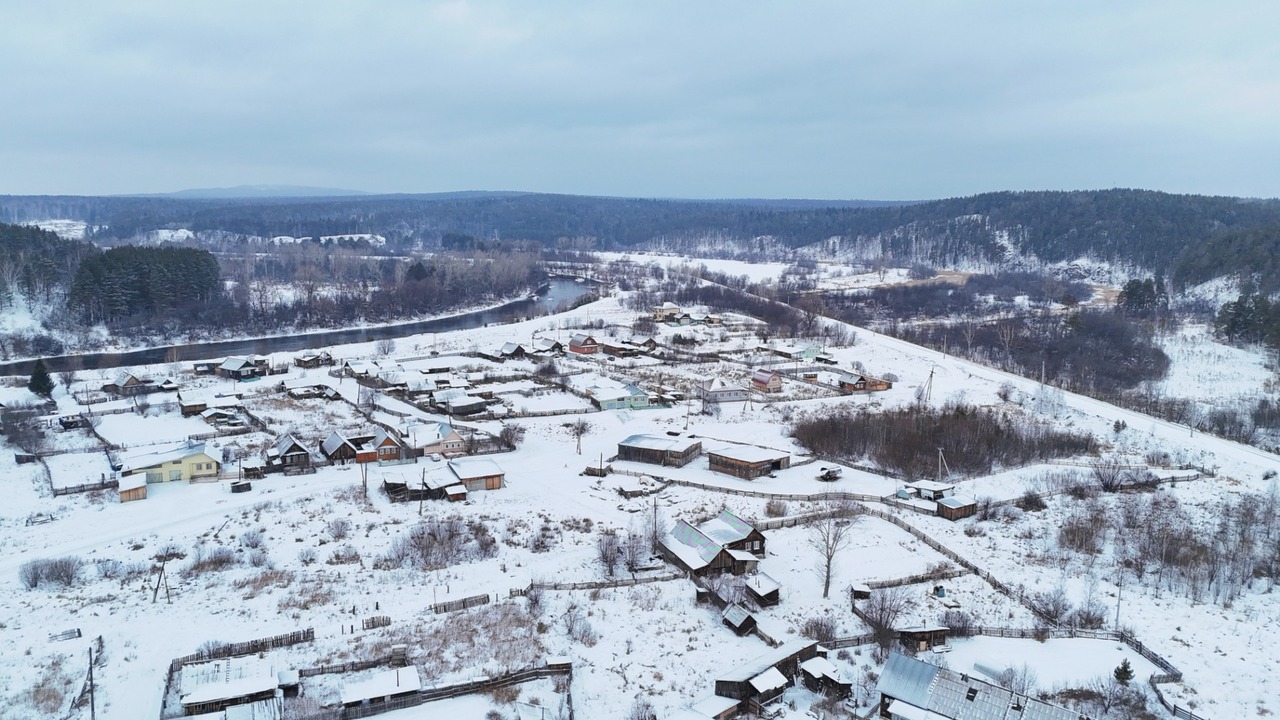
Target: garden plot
x=129, y=430
x=534, y=700
x=310, y=420
x=78, y=469
x=547, y=401
x=1053, y=664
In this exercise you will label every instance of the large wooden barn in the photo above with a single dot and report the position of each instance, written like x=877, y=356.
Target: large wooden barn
x=747, y=461
x=659, y=450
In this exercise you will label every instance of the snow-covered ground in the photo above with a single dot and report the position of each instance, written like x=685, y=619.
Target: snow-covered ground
x=649, y=640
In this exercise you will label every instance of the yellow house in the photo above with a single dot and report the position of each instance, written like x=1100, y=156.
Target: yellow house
x=188, y=461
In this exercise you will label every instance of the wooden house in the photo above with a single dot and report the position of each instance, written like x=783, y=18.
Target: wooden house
x=726, y=543
x=821, y=676
x=288, y=455
x=547, y=346
x=762, y=680
x=383, y=447
x=737, y=619
x=619, y=349
x=583, y=344
x=205, y=367
x=191, y=404
x=314, y=360
x=512, y=351
x=659, y=450
x=243, y=368
x=478, y=473
x=339, y=449
x=766, y=381
x=851, y=382
x=247, y=684
x=432, y=438
x=126, y=384
x=747, y=461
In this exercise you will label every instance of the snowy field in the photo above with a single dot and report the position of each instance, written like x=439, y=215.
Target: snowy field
x=292, y=571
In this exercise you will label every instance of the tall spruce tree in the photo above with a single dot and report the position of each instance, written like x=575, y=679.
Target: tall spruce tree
x=40, y=384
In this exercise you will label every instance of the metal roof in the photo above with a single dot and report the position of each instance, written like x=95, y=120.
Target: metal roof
x=948, y=694
x=758, y=665
x=907, y=679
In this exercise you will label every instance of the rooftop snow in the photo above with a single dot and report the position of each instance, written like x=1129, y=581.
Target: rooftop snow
x=384, y=684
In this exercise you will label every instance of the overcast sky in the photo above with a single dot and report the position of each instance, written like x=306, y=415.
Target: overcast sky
x=886, y=100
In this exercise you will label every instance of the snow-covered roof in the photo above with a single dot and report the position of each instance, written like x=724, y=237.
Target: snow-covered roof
x=947, y=694
x=694, y=549
x=726, y=528
x=511, y=348
x=333, y=442
x=581, y=339
x=225, y=679
x=209, y=400
x=761, y=663
x=735, y=615
x=763, y=584
x=235, y=363
x=132, y=482
x=821, y=667
x=283, y=445
x=471, y=468
x=660, y=442
x=261, y=710
x=384, y=684
x=930, y=485
x=151, y=457
x=749, y=453
x=769, y=680
x=764, y=376
x=957, y=501
x=713, y=705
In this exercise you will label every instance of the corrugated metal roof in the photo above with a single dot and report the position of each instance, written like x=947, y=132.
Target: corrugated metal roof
x=758, y=665
x=907, y=679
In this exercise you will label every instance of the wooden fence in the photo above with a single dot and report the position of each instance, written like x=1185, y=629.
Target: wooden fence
x=249, y=647
x=347, y=667
x=89, y=487
x=461, y=604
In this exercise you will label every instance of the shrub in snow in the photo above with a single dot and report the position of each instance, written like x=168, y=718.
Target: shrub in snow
x=259, y=558
x=59, y=571
x=202, y=560
x=338, y=528
x=307, y=556
x=109, y=569
x=775, y=508
x=252, y=539
x=345, y=555
x=822, y=628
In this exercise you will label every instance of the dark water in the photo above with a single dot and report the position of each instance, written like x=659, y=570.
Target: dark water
x=556, y=293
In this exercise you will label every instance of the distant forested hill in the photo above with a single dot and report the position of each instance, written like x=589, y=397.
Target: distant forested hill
x=1149, y=229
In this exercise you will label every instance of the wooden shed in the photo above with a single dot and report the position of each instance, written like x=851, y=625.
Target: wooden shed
x=764, y=590
x=736, y=618
x=824, y=678
x=133, y=487
x=923, y=637
x=957, y=507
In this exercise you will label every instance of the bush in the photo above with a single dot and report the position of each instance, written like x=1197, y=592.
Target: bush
x=170, y=551
x=1031, y=502
x=345, y=555
x=821, y=628
x=109, y=569
x=775, y=508
x=259, y=558
x=217, y=559
x=959, y=622
x=338, y=528
x=64, y=571
x=252, y=539
x=307, y=556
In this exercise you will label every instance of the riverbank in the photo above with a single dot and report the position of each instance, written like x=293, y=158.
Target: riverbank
x=543, y=301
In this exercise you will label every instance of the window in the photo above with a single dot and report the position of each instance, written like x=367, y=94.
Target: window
x=973, y=693
x=175, y=474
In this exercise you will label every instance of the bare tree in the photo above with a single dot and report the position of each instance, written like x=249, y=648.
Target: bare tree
x=385, y=347
x=511, y=435
x=882, y=611
x=633, y=550
x=828, y=537
x=607, y=546
x=579, y=428
x=68, y=378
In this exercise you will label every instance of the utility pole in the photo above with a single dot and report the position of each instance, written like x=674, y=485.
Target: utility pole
x=423, y=494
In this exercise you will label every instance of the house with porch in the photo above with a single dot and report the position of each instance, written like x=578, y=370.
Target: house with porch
x=288, y=455
x=726, y=543
x=186, y=461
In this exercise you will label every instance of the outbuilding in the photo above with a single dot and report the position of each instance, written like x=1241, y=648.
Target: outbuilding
x=747, y=461
x=659, y=450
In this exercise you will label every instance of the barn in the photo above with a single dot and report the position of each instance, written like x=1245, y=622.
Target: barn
x=659, y=450
x=747, y=461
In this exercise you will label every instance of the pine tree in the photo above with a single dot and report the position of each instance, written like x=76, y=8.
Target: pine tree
x=1123, y=672
x=41, y=384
